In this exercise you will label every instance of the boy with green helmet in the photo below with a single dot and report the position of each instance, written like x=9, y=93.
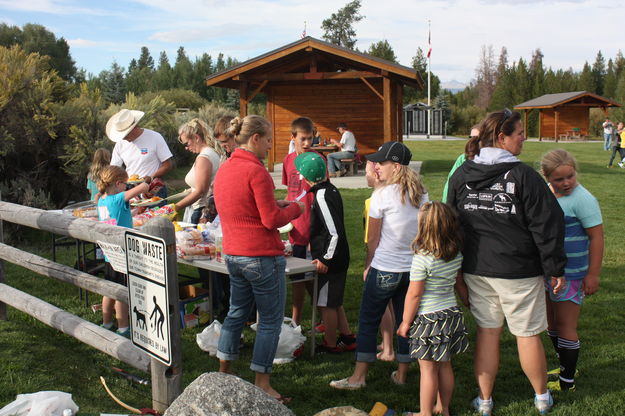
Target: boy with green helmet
x=330, y=252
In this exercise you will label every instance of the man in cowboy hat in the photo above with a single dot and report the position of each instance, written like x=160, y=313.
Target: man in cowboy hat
x=143, y=152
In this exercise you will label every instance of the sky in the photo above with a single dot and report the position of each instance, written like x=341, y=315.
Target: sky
x=100, y=32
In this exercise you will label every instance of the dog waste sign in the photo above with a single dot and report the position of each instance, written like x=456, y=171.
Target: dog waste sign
x=148, y=301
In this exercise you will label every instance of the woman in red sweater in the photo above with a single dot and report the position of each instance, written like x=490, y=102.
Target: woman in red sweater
x=250, y=216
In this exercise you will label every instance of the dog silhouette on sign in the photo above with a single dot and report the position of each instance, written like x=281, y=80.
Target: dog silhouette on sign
x=140, y=319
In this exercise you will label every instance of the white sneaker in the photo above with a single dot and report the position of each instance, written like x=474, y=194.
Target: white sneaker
x=543, y=406
x=620, y=164
x=484, y=408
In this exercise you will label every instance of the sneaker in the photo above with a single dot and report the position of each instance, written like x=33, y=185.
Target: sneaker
x=124, y=333
x=346, y=342
x=484, y=408
x=110, y=327
x=344, y=384
x=544, y=406
x=320, y=328
x=620, y=164
x=556, y=386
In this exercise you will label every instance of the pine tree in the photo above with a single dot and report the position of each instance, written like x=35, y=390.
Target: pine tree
x=609, y=87
x=163, y=76
x=339, y=27
x=598, y=73
x=113, y=84
x=202, y=67
x=587, y=80
x=183, y=71
x=382, y=49
x=145, y=60
x=502, y=66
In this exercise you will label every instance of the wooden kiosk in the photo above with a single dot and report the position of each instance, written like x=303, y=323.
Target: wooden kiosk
x=328, y=83
x=565, y=115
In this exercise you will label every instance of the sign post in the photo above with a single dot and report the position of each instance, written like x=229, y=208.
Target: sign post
x=153, y=302
x=148, y=297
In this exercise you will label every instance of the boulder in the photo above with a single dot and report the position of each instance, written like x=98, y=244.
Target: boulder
x=219, y=394
x=342, y=411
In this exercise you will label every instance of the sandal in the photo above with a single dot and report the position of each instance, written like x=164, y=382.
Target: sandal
x=283, y=400
x=395, y=380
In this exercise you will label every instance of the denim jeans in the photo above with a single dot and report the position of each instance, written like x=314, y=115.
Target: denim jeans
x=380, y=288
x=259, y=279
x=607, y=141
x=334, y=160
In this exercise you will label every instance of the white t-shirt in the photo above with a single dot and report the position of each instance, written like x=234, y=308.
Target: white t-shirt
x=348, y=141
x=143, y=156
x=399, y=229
x=215, y=160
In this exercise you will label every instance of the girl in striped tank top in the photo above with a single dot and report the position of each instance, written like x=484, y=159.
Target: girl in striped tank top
x=432, y=318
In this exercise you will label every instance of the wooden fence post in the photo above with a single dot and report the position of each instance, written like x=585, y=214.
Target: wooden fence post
x=3, y=306
x=167, y=380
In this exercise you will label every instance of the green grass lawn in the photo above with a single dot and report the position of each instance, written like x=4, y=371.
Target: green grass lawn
x=36, y=357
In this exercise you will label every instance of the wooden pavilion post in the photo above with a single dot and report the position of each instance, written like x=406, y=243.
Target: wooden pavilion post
x=525, y=123
x=555, y=125
x=243, y=101
x=387, y=109
x=540, y=125
x=271, y=117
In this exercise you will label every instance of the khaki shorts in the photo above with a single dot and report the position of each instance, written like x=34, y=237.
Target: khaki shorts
x=521, y=302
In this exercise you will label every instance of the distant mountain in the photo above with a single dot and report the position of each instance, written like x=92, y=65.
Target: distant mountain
x=453, y=86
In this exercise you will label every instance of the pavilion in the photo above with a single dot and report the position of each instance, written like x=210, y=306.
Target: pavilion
x=328, y=83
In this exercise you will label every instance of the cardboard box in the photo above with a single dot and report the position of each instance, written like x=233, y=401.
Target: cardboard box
x=194, y=306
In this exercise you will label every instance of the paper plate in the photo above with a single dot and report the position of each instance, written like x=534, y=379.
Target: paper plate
x=146, y=203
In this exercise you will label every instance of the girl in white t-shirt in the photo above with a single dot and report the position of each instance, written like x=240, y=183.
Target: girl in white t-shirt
x=195, y=136
x=392, y=228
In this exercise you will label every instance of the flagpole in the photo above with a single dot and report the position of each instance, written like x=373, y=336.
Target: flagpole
x=429, y=83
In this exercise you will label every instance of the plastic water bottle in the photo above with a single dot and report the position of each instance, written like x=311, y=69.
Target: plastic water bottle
x=218, y=245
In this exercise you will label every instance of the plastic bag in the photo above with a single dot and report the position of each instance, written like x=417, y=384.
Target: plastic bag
x=43, y=403
x=290, y=342
x=208, y=339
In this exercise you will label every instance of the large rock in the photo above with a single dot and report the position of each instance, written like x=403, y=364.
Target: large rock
x=219, y=394
x=342, y=411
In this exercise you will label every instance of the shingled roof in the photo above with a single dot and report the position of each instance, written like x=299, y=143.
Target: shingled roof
x=555, y=100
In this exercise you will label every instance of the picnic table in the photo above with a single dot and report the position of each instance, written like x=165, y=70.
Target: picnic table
x=331, y=148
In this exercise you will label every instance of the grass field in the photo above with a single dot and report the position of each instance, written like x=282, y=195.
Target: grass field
x=36, y=357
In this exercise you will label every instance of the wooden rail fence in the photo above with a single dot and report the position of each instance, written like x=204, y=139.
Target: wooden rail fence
x=166, y=380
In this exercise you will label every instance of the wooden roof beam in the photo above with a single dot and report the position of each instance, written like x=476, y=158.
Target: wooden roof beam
x=303, y=76
x=257, y=90
x=372, y=88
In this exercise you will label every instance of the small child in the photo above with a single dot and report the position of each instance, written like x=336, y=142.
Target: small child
x=113, y=208
x=101, y=159
x=438, y=331
x=330, y=252
x=583, y=243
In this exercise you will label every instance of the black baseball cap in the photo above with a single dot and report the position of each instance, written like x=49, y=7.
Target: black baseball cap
x=394, y=151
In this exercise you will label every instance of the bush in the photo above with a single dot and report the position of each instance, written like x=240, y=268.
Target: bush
x=180, y=98
x=463, y=118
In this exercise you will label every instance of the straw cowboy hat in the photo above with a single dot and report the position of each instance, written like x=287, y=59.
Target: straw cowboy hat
x=120, y=124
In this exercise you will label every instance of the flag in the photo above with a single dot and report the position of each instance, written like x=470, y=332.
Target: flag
x=429, y=43
x=304, y=31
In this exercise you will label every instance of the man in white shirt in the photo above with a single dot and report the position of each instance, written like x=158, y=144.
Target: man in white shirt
x=607, y=133
x=347, y=150
x=143, y=152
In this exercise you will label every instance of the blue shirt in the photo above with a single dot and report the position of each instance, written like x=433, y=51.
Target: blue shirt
x=581, y=211
x=92, y=187
x=112, y=209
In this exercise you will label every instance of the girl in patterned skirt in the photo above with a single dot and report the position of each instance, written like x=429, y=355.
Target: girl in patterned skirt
x=432, y=318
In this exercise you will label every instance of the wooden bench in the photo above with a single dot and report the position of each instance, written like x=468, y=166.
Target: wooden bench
x=351, y=165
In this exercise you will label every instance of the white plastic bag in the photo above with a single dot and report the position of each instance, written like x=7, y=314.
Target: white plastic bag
x=208, y=339
x=43, y=403
x=291, y=339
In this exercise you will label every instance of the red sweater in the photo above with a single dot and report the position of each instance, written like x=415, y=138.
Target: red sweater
x=247, y=207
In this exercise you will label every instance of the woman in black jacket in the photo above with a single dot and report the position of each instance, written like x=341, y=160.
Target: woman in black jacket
x=514, y=235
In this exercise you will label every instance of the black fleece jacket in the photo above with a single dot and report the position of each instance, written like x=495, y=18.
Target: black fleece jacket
x=513, y=225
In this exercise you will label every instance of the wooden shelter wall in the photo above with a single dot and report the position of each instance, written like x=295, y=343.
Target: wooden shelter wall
x=568, y=118
x=328, y=104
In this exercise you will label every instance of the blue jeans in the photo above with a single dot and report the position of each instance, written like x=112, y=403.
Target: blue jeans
x=380, y=288
x=607, y=141
x=259, y=279
x=334, y=160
